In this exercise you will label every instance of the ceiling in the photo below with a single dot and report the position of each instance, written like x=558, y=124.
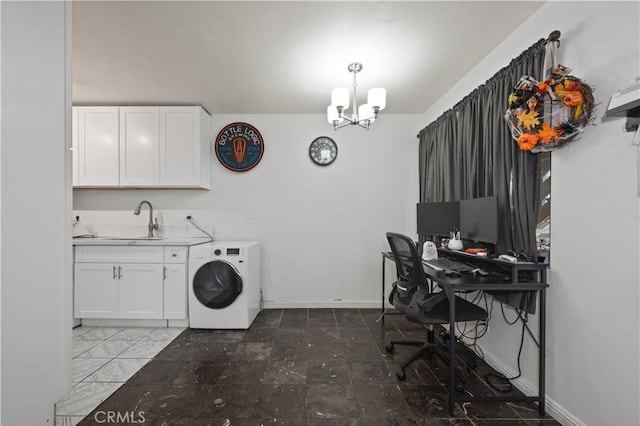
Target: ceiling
x=266, y=57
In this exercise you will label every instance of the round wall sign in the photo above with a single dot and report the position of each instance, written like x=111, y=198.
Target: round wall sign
x=239, y=147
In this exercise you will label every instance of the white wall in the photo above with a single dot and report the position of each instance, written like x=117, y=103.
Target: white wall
x=35, y=199
x=0, y=215
x=593, y=302
x=322, y=228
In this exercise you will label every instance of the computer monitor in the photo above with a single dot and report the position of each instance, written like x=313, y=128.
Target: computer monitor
x=438, y=218
x=479, y=219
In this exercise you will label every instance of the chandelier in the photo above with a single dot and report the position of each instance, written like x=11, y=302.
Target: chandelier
x=362, y=115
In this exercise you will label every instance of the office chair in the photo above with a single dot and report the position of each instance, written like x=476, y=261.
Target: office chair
x=414, y=296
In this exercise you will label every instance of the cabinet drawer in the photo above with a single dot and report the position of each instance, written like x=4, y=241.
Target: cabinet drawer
x=175, y=254
x=120, y=254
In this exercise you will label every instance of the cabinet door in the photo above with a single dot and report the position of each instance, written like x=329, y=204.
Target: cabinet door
x=140, y=291
x=98, y=149
x=95, y=290
x=179, y=146
x=139, y=146
x=175, y=291
x=74, y=146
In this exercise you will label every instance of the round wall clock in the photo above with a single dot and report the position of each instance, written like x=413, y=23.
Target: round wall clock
x=323, y=150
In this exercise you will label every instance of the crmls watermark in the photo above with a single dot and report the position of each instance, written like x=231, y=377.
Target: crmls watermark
x=119, y=417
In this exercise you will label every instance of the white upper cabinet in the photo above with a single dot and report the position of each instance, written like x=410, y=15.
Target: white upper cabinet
x=74, y=146
x=153, y=147
x=139, y=146
x=98, y=149
x=184, y=147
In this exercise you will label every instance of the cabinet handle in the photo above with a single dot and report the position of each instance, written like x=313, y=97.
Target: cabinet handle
x=114, y=272
x=119, y=272
x=164, y=272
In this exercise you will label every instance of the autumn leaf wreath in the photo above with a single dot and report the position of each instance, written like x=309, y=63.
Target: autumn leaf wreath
x=545, y=115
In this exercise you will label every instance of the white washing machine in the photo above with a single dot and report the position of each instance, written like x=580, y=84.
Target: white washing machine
x=224, y=284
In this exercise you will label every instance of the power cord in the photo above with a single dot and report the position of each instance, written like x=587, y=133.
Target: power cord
x=470, y=339
x=524, y=319
x=504, y=315
x=200, y=229
x=507, y=387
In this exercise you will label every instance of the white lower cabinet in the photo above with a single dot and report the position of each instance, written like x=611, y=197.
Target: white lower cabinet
x=140, y=291
x=106, y=285
x=175, y=283
x=96, y=290
x=175, y=291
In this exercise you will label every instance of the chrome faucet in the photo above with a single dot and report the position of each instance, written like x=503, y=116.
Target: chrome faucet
x=152, y=226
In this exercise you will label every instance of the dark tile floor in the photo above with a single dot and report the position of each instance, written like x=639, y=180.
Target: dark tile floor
x=296, y=367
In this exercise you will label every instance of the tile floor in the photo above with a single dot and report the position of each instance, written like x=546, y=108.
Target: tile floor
x=297, y=367
x=104, y=358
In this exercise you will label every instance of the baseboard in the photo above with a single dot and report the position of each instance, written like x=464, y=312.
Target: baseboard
x=178, y=323
x=553, y=408
x=88, y=322
x=310, y=304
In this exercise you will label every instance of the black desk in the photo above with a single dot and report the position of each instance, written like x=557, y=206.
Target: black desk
x=452, y=283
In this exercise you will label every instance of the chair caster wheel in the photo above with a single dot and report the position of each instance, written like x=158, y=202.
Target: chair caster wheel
x=459, y=387
x=390, y=348
x=401, y=376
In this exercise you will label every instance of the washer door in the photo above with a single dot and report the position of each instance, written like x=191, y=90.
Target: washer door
x=217, y=284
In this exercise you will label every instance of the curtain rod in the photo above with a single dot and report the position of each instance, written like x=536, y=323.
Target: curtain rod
x=554, y=37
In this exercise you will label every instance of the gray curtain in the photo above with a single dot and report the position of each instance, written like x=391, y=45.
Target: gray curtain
x=440, y=174
x=468, y=152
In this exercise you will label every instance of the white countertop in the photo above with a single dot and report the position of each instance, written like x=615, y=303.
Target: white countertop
x=142, y=241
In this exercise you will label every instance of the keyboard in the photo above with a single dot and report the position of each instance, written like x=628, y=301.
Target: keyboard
x=445, y=264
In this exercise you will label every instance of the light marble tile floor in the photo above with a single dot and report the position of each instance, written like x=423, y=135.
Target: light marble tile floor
x=104, y=358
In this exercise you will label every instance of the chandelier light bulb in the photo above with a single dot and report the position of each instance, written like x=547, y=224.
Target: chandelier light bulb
x=340, y=97
x=332, y=115
x=365, y=113
x=377, y=97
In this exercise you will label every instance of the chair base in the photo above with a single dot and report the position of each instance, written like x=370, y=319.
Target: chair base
x=428, y=348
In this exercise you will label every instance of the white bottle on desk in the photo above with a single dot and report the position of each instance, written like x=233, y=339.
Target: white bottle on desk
x=455, y=243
